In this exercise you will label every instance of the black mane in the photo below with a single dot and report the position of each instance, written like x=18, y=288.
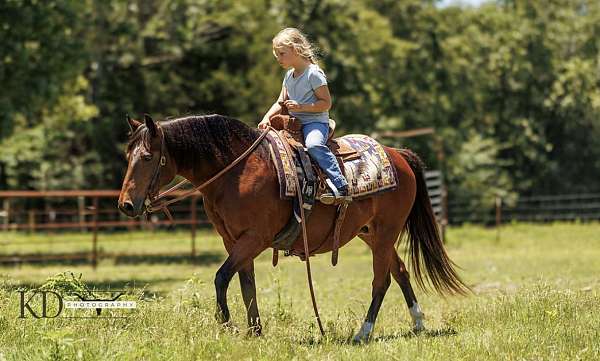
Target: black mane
x=197, y=138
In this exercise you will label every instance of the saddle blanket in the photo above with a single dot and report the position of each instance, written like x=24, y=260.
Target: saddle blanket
x=370, y=173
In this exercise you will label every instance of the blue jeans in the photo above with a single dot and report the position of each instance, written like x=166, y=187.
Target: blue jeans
x=315, y=137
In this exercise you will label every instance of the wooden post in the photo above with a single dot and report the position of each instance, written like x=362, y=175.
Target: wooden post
x=194, y=222
x=81, y=209
x=31, y=215
x=95, y=233
x=444, y=220
x=441, y=157
x=6, y=207
x=498, y=217
x=51, y=217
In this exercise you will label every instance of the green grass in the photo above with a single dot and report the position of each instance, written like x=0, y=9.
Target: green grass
x=536, y=298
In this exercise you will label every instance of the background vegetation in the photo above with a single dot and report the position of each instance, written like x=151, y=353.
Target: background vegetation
x=512, y=87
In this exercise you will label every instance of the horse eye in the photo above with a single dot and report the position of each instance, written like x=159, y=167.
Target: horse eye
x=147, y=157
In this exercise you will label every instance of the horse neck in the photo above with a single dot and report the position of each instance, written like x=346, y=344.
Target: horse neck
x=200, y=158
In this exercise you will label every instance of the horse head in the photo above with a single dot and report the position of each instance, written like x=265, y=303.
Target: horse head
x=149, y=166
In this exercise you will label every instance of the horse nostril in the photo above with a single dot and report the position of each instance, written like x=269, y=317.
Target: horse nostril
x=127, y=207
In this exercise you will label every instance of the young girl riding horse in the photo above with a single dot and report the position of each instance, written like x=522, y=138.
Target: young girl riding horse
x=305, y=93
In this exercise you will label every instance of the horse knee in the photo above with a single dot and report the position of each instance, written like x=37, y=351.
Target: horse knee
x=221, y=280
x=399, y=270
x=381, y=285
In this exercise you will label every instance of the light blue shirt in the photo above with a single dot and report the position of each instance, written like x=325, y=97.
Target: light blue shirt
x=302, y=90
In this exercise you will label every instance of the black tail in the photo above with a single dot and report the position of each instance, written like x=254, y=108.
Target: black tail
x=425, y=245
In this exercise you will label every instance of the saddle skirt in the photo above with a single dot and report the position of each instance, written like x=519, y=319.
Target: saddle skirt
x=363, y=161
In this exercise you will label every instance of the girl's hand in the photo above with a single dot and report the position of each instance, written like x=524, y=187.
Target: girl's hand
x=264, y=124
x=292, y=104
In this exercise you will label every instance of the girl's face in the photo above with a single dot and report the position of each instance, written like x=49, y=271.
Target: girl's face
x=285, y=55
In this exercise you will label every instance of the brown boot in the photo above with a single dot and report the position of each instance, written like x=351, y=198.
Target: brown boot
x=336, y=196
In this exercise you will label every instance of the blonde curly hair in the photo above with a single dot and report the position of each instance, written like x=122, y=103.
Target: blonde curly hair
x=294, y=38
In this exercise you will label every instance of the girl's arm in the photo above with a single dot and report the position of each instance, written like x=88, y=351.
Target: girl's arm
x=275, y=109
x=322, y=104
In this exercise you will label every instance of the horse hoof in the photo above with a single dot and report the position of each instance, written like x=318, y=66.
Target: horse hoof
x=360, y=339
x=364, y=334
x=418, y=329
x=230, y=327
x=254, y=331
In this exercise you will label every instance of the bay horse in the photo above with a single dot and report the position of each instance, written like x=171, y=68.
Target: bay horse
x=245, y=207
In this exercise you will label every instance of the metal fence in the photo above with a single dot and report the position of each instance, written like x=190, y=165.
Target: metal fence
x=438, y=198
x=543, y=208
x=87, y=211
x=95, y=212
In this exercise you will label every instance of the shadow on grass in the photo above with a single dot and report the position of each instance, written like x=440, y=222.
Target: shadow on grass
x=444, y=332
x=44, y=260
x=339, y=339
x=200, y=259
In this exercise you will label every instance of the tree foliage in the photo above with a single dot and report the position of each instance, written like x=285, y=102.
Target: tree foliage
x=512, y=88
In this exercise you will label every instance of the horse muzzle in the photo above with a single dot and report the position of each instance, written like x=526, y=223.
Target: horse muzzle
x=129, y=209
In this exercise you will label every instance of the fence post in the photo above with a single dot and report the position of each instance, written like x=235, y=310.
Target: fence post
x=194, y=221
x=444, y=220
x=6, y=206
x=81, y=209
x=441, y=158
x=498, y=217
x=31, y=216
x=95, y=233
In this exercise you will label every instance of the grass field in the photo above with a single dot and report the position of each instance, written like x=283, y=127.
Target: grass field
x=536, y=297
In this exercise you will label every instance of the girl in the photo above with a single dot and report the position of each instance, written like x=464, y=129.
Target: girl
x=307, y=98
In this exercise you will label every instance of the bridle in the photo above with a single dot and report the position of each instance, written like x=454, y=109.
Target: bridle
x=153, y=188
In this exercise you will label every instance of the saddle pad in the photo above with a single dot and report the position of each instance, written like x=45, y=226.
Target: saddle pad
x=367, y=175
x=286, y=170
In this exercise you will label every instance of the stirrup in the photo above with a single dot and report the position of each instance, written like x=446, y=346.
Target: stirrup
x=334, y=197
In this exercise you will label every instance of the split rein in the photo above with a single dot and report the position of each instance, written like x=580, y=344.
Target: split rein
x=154, y=204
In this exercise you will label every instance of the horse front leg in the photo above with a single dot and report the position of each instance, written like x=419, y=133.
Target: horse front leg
x=248, y=286
x=222, y=279
x=243, y=251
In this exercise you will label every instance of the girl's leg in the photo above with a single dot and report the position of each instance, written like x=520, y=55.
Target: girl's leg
x=315, y=137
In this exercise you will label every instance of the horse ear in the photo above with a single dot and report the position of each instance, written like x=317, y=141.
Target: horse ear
x=150, y=124
x=133, y=124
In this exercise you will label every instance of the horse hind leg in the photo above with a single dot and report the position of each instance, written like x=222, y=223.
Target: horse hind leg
x=382, y=249
x=401, y=276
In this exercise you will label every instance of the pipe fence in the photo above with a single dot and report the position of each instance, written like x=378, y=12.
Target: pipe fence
x=93, y=211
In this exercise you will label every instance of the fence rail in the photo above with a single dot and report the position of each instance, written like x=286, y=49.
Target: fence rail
x=543, y=208
x=92, y=211
x=95, y=211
